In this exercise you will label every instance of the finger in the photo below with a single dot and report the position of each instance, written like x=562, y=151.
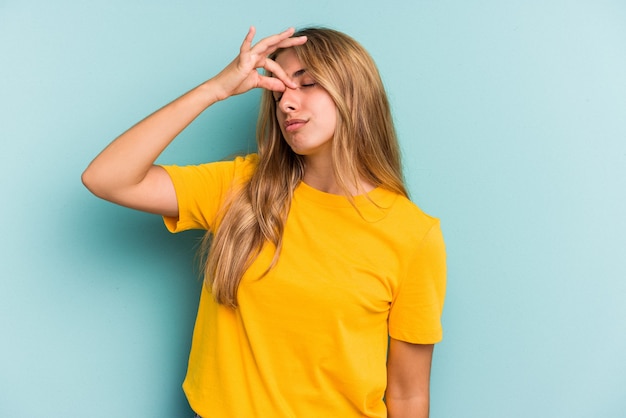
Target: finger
x=247, y=42
x=270, y=44
x=289, y=42
x=278, y=72
x=271, y=83
x=285, y=43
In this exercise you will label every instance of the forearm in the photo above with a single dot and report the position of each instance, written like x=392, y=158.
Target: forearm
x=417, y=407
x=124, y=173
x=126, y=161
x=408, y=379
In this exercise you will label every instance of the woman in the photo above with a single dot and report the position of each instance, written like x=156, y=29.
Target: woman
x=324, y=283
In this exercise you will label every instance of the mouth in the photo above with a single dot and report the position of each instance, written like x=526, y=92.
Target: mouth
x=294, y=124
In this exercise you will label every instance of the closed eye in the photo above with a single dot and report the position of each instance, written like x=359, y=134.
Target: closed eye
x=278, y=96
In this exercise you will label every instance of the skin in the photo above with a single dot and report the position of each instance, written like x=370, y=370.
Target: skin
x=408, y=379
x=124, y=172
x=307, y=116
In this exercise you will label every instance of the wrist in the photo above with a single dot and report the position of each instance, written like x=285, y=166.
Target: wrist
x=211, y=92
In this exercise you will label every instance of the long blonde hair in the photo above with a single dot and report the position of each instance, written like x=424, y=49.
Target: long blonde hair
x=364, y=148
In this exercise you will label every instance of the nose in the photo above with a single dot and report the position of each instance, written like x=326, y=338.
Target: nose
x=289, y=101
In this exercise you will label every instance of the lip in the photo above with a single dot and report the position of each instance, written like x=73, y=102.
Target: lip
x=293, y=124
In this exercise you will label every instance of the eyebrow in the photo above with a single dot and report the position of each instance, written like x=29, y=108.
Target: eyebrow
x=299, y=73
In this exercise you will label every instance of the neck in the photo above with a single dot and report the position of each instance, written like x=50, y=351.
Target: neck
x=320, y=175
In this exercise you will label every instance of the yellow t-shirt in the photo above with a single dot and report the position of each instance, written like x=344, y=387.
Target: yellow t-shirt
x=309, y=339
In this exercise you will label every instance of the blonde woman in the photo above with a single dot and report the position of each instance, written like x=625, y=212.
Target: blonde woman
x=324, y=284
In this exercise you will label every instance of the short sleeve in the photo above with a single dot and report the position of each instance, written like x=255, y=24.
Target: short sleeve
x=416, y=309
x=201, y=190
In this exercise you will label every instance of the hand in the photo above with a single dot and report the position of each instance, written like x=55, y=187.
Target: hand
x=241, y=75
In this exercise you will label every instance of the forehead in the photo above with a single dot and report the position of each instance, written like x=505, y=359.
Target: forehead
x=289, y=61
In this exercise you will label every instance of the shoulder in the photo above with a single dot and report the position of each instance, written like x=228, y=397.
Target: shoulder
x=409, y=218
x=237, y=170
x=242, y=167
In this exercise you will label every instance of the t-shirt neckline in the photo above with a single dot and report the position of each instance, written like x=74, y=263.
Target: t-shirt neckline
x=330, y=199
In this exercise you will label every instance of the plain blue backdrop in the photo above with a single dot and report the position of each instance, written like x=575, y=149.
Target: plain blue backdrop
x=512, y=120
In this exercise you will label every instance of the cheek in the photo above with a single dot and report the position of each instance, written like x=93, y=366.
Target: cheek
x=279, y=115
x=329, y=107
x=331, y=114
x=280, y=119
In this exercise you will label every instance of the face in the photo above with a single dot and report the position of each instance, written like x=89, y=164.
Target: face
x=307, y=114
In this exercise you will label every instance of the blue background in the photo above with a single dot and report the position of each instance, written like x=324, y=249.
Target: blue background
x=512, y=119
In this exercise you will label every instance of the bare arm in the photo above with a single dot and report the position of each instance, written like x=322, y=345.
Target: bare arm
x=124, y=172
x=408, y=379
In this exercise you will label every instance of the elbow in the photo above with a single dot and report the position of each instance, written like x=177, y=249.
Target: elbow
x=87, y=180
x=90, y=180
x=414, y=406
